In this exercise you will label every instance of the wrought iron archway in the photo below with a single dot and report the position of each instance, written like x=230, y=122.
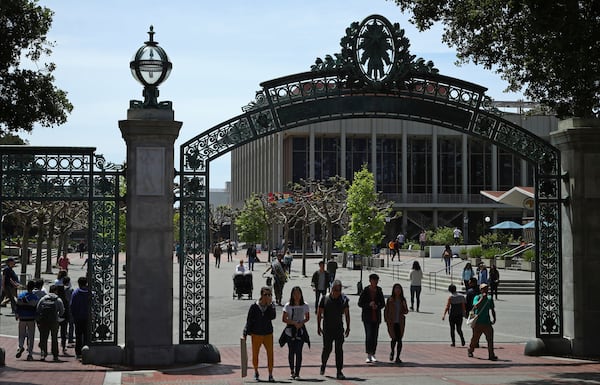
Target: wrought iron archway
x=47, y=174
x=374, y=76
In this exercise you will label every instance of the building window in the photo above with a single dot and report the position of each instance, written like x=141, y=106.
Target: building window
x=480, y=166
x=509, y=170
x=388, y=177
x=419, y=165
x=327, y=157
x=357, y=154
x=299, y=159
x=450, y=160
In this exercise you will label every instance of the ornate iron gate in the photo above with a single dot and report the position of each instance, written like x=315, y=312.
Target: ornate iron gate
x=47, y=174
x=374, y=76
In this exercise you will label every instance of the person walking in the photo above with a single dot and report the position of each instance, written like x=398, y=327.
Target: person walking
x=467, y=274
x=494, y=281
x=400, y=239
x=259, y=326
x=320, y=282
x=332, y=267
x=456, y=233
x=296, y=314
x=217, y=254
x=80, y=305
x=64, y=262
x=68, y=296
x=456, y=310
x=10, y=284
x=81, y=249
x=447, y=257
x=391, y=249
x=422, y=239
x=26, y=306
x=49, y=310
x=394, y=315
x=483, y=305
x=279, y=277
x=287, y=261
x=415, y=277
x=482, y=276
x=63, y=321
x=371, y=301
x=229, y=252
x=330, y=325
x=251, y=256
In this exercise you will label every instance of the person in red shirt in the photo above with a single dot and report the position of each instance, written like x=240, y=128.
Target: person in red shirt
x=64, y=262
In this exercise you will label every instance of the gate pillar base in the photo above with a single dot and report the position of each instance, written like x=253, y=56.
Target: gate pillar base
x=150, y=356
x=197, y=353
x=548, y=346
x=102, y=355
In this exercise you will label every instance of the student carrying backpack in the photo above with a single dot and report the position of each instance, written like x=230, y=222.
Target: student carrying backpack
x=48, y=310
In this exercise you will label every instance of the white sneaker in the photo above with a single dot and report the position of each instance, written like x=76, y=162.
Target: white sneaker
x=373, y=359
x=369, y=359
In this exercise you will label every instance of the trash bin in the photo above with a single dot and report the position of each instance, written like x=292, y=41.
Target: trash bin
x=356, y=262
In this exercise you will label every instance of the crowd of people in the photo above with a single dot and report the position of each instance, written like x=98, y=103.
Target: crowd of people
x=60, y=313
x=333, y=316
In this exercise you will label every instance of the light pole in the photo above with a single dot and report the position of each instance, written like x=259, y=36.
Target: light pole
x=486, y=222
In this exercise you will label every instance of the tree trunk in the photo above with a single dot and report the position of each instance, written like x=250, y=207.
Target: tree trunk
x=49, y=244
x=25, y=246
x=38, y=252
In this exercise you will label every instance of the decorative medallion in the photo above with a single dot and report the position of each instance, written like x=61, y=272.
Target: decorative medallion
x=375, y=48
x=375, y=55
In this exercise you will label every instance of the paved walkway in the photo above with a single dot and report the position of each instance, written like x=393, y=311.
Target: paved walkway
x=426, y=359
x=423, y=363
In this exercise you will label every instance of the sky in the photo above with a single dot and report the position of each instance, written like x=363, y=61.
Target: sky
x=221, y=52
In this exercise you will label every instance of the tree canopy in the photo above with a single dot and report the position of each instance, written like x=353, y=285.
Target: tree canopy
x=251, y=222
x=27, y=91
x=367, y=215
x=548, y=49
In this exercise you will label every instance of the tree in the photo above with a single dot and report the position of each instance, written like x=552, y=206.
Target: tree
x=251, y=223
x=549, y=48
x=327, y=201
x=27, y=96
x=367, y=215
x=217, y=219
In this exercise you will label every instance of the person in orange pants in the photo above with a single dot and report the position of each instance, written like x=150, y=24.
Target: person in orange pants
x=260, y=327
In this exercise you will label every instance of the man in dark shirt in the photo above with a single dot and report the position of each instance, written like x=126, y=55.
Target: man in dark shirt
x=10, y=283
x=331, y=309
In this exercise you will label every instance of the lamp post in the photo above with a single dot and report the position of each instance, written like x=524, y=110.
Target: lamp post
x=486, y=222
x=150, y=66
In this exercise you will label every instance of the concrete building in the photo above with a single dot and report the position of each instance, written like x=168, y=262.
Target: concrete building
x=432, y=174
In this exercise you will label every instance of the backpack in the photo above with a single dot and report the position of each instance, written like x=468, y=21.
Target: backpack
x=47, y=311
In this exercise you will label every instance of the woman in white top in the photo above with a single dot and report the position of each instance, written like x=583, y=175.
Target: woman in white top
x=415, y=277
x=296, y=313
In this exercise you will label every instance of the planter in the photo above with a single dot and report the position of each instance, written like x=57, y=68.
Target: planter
x=474, y=261
x=503, y=263
x=487, y=261
x=528, y=265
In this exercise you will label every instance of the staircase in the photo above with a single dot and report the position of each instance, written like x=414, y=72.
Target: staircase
x=441, y=281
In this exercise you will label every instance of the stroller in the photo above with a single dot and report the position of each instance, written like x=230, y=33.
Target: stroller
x=242, y=284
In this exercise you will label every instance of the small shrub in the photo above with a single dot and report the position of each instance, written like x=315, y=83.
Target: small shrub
x=475, y=252
x=443, y=236
x=529, y=255
x=491, y=252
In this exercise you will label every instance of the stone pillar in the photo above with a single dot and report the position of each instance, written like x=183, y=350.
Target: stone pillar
x=150, y=135
x=579, y=142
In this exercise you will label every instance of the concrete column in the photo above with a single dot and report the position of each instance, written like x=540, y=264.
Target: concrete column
x=434, y=165
x=150, y=135
x=579, y=142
